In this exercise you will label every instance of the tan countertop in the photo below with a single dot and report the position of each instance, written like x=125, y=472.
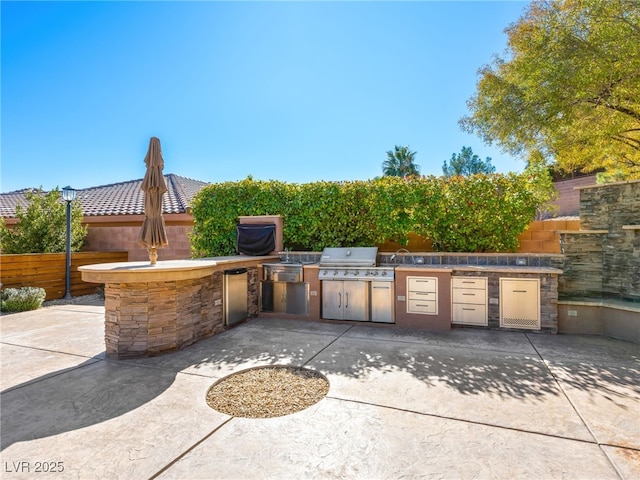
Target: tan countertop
x=425, y=268
x=480, y=268
x=167, y=270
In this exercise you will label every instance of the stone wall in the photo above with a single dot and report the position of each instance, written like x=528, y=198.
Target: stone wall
x=253, y=293
x=151, y=318
x=609, y=235
x=610, y=206
x=157, y=317
x=621, y=264
x=582, y=266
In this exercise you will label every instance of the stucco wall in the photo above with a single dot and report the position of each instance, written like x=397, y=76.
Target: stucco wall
x=108, y=238
x=568, y=200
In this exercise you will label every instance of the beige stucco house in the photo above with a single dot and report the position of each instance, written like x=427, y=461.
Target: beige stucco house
x=114, y=214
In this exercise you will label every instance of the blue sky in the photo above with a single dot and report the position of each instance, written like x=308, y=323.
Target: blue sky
x=292, y=91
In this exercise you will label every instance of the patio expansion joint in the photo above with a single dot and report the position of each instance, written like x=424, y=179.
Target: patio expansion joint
x=50, y=350
x=575, y=408
x=471, y=422
x=327, y=346
x=190, y=449
x=446, y=347
x=55, y=374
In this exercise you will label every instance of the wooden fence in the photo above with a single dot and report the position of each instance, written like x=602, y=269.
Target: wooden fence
x=48, y=271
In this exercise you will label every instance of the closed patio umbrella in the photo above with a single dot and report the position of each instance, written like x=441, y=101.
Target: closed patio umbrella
x=153, y=234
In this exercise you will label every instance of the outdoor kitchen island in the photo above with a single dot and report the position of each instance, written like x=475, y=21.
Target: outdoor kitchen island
x=155, y=309
x=504, y=297
x=432, y=291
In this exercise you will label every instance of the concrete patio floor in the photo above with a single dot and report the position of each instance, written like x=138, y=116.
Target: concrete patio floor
x=401, y=404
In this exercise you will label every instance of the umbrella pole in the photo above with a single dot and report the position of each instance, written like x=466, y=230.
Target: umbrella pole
x=153, y=255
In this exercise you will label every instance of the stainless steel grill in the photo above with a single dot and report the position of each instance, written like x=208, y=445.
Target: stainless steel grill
x=353, y=288
x=357, y=263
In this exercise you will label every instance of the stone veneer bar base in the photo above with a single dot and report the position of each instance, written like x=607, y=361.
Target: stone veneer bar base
x=151, y=310
x=146, y=319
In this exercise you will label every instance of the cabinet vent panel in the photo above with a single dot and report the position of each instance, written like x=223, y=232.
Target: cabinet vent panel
x=520, y=303
x=520, y=323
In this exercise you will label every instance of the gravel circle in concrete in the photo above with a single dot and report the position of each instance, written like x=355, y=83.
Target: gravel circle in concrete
x=265, y=392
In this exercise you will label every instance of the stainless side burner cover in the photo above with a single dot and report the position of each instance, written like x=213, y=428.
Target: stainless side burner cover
x=349, y=257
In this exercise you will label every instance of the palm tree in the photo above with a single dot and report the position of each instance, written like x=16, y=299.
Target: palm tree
x=400, y=163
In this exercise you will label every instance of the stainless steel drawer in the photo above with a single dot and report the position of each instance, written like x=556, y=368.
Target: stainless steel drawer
x=422, y=284
x=426, y=296
x=469, y=282
x=469, y=314
x=467, y=295
x=422, y=306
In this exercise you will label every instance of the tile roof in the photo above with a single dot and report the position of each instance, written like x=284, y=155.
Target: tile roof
x=125, y=198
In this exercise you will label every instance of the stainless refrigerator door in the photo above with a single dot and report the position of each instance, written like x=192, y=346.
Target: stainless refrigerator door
x=235, y=296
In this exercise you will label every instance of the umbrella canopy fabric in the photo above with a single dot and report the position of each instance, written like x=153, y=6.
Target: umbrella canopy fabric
x=154, y=161
x=153, y=234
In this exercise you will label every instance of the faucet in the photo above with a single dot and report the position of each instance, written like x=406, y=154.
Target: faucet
x=403, y=250
x=286, y=255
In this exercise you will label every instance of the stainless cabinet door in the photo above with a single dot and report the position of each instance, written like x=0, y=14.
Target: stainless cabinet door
x=356, y=301
x=520, y=303
x=298, y=298
x=332, y=300
x=382, y=297
x=274, y=296
x=279, y=297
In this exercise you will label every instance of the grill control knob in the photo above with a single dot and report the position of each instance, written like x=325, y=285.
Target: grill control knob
x=345, y=273
x=356, y=273
x=384, y=273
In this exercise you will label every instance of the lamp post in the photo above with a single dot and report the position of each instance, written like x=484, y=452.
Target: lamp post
x=68, y=195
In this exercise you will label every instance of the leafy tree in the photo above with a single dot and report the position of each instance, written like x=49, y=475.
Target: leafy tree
x=568, y=88
x=42, y=225
x=466, y=163
x=400, y=162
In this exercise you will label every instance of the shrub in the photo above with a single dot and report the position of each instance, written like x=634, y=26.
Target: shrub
x=479, y=213
x=42, y=225
x=21, y=299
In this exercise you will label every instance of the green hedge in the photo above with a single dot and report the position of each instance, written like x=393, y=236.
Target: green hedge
x=478, y=213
